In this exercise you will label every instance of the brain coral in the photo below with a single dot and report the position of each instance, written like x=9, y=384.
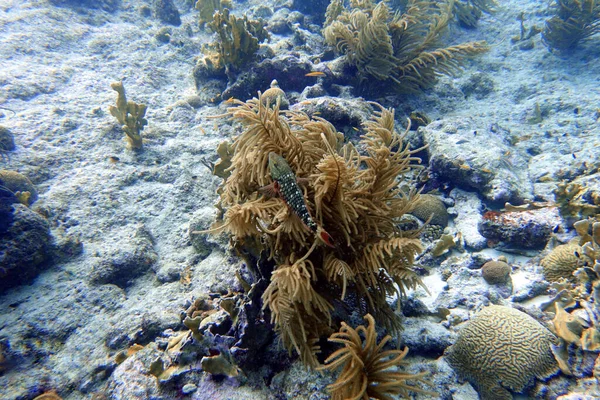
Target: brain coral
x=429, y=205
x=496, y=272
x=561, y=262
x=500, y=349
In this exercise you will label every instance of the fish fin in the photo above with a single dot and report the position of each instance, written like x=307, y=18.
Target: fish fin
x=326, y=238
x=271, y=190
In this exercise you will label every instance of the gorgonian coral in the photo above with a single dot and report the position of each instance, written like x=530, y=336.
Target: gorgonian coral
x=353, y=195
x=403, y=50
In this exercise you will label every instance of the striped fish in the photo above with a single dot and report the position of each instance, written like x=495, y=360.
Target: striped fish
x=286, y=186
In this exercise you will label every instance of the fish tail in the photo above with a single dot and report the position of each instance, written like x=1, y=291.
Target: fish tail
x=326, y=237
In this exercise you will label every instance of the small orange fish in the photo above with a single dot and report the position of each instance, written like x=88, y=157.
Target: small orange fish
x=202, y=131
x=466, y=167
x=230, y=100
x=315, y=73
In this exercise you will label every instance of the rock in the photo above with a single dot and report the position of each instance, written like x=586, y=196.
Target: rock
x=189, y=388
x=16, y=182
x=106, y=5
x=25, y=246
x=487, y=163
x=166, y=12
x=7, y=140
x=467, y=207
x=479, y=85
x=529, y=229
x=289, y=71
x=425, y=338
x=128, y=261
x=344, y=114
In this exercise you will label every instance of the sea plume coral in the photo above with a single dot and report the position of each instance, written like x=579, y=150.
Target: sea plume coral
x=402, y=50
x=368, y=371
x=355, y=196
x=574, y=21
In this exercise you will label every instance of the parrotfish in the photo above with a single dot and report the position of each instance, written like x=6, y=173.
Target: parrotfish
x=285, y=185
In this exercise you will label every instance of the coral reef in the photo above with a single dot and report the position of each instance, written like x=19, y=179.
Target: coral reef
x=354, y=197
x=576, y=318
x=400, y=50
x=130, y=115
x=502, y=349
x=574, y=21
x=368, y=371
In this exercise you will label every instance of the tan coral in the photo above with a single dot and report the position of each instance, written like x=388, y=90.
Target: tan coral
x=501, y=350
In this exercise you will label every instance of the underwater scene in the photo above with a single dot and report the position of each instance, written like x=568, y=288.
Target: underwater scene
x=299, y=199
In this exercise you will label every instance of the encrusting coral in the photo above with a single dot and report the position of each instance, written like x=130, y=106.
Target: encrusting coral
x=130, y=115
x=368, y=371
x=354, y=196
x=400, y=49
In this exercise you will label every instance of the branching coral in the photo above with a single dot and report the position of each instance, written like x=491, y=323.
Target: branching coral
x=130, y=115
x=574, y=21
x=237, y=44
x=206, y=9
x=401, y=50
x=354, y=196
x=368, y=371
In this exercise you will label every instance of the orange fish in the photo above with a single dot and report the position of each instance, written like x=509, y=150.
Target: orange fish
x=316, y=73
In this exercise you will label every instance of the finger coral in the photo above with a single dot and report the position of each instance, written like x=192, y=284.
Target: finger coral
x=353, y=197
x=368, y=371
x=130, y=115
x=400, y=49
